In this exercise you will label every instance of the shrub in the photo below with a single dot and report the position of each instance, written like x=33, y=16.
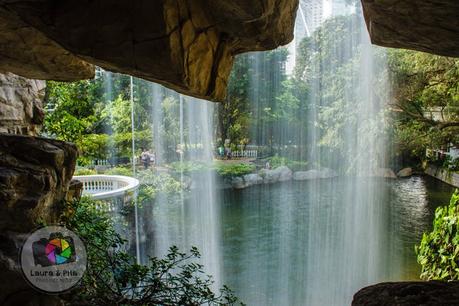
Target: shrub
x=152, y=182
x=85, y=171
x=113, y=277
x=119, y=171
x=234, y=169
x=438, y=253
x=277, y=161
x=188, y=166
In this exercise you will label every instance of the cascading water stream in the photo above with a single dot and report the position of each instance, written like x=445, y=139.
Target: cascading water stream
x=293, y=243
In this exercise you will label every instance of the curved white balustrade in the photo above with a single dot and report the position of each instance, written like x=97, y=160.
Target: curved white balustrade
x=109, y=188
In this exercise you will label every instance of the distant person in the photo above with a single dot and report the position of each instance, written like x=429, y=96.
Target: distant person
x=145, y=158
x=268, y=166
x=221, y=151
x=228, y=153
x=153, y=158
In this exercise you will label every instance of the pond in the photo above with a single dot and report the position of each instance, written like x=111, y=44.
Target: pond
x=303, y=243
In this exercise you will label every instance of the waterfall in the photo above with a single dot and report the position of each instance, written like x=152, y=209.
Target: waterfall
x=346, y=249
x=342, y=128
x=322, y=241
x=193, y=218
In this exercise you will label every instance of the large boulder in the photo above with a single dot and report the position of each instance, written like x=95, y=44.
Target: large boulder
x=238, y=182
x=384, y=172
x=21, y=104
x=430, y=26
x=285, y=174
x=35, y=174
x=186, y=45
x=280, y=174
x=405, y=172
x=408, y=294
x=252, y=179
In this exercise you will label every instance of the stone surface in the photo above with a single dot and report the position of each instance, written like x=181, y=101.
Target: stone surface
x=14, y=289
x=186, y=45
x=314, y=174
x=285, y=174
x=26, y=51
x=428, y=25
x=405, y=172
x=21, y=104
x=384, y=172
x=408, y=294
x=449, y=177
x=280, y=174
x=269, y=176
x=306, y=175
x=253, y=179
x=34, y=176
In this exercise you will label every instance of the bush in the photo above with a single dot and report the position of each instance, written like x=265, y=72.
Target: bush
x=438, y=253
x=85, y=171
x=152, y=182
x=234, y=169
x=92, y=146
x=119, y=171
x=188, y=166
x=113, y=277
x=277, y=161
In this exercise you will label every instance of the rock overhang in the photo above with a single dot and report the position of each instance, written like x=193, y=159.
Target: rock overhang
x=186, y=45
x=429, y=25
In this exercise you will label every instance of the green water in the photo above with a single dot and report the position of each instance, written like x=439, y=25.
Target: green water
x=267, y=249
x=303, y=243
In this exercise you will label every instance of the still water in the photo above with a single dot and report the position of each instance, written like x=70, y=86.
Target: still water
x=290, y=244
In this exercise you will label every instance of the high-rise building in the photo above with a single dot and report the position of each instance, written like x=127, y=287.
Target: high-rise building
x=313, y=11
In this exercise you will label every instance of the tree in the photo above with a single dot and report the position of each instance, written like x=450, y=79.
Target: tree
x=72, y=109
x=233, y=116
x=426, y=100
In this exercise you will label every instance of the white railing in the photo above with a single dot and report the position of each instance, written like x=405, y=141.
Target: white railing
x=245, y=154
x=451, y=152
x=111, y=189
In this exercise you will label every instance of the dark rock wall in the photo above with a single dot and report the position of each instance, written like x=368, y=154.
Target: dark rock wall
x=423, y=25
x=187, y=45
x=21, y=104
x=35, y=174
x=409, y=294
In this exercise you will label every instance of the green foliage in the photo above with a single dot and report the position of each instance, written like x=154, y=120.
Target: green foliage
x=72, y=109
x=114, y=278
x=234, y=169
x=426, y=100
x=188, y=166
x=92, y=146
x=438, y=253
x=85, y=171
x=126, y=171
x=152, y=183
x=277, y=161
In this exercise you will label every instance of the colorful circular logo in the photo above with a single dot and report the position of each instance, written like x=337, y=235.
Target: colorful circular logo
x=53, y=259
x=58, y=251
